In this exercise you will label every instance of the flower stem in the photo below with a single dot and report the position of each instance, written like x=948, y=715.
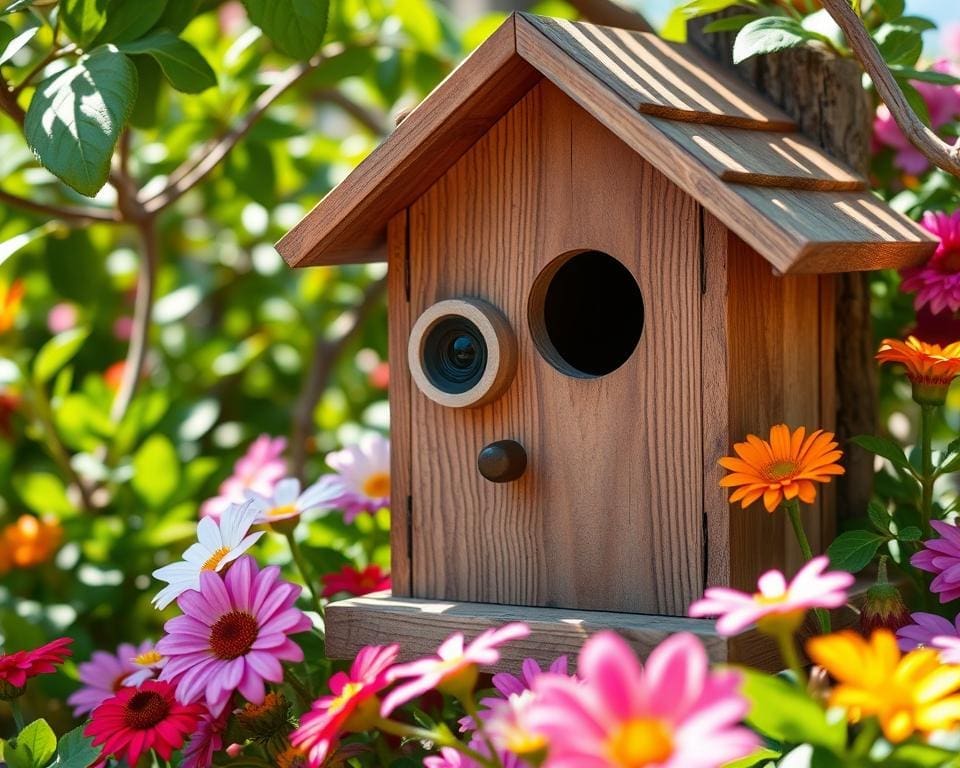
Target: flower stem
x=788, y=652
x=470, y=705
x=438, y=737
x=927, y=475
x=17, y=714
x=793, y=512
x=304, y=569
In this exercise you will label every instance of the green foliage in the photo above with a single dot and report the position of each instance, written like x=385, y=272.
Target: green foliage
x=296, y=27
x=854, y=550
x=182, y=64
x=33, y=747
x=75, y=750
x=769, y=35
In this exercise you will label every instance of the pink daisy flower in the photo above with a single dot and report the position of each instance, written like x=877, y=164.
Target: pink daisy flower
x=776, y=601
x=353, y=705
x=943, y=103
x=508, y=684
x=233, y=635
x=205, y=741
x=364, y=470
x=104, y=675
x=942, y=557
x=448, y=758
x=355, y=582
x=932, y=631
x=455, y=668
x=671, y=713
x=136, y=720
x=937, y=283
x=258, y=470
x=18, y=667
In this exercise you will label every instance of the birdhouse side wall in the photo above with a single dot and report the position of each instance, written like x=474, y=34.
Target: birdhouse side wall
x=767, y=359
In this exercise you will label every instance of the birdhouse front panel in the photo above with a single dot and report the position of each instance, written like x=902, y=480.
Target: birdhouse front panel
x=593, y=259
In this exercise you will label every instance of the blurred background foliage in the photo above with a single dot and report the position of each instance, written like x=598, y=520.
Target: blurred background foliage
x=115, y=453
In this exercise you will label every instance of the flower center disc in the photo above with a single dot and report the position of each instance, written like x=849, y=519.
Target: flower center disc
x=285, y=511
x=233, y=635
x=780, y=470
x=641, y=742
x=215, y=559
x=148, y=658
x=144, y=710
x=377, y=485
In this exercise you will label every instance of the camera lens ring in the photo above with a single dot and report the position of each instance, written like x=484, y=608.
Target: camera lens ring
x=462, y=352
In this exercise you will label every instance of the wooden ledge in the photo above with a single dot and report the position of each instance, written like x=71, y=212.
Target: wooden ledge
x=419, y=626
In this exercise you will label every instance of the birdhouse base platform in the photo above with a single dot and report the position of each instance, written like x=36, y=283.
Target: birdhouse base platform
x=419, y=626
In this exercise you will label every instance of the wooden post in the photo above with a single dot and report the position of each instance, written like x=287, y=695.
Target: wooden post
x=825, y=95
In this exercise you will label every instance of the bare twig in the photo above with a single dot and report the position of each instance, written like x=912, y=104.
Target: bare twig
x=69, y=213
x=196, y=169
x=326, y=352
x=923, y=138
x=9, y=104
x=610, y=13
x=373, y=121
x=142, y=310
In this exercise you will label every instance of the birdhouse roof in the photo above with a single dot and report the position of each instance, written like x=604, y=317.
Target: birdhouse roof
x=710, y=133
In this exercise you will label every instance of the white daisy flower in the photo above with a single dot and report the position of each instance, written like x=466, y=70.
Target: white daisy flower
x=288, y=502
x=218, y=545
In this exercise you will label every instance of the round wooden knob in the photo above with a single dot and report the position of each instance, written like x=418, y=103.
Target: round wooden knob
x=503, y=461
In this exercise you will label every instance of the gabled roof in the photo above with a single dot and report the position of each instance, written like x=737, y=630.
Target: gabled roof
x=710, y=133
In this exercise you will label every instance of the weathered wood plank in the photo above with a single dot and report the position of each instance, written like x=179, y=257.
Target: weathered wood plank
x=608, y=514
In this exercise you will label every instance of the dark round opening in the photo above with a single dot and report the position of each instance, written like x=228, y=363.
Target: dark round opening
x=454, y=355
x=586, y=314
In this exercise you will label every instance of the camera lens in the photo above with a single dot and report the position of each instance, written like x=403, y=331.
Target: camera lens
x=454, y=355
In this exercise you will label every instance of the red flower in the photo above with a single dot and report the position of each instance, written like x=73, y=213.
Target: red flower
x=18, y=667
x=137, y=720
x=349, y=579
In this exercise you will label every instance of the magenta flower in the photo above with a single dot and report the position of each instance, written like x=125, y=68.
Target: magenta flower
x=258, y=470
x=354, y=705
x=932, y=631
x=233, y=635
x=943, y=103
x=671, y=713
x=453, y=670
x=530, y=670
x=205, y=742
x=104, y=675
x=942, y=557
x=364, y=470
x=776, y=604
x=937, y=283
x=448, y=758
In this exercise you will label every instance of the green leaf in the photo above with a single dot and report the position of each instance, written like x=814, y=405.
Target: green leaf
x=899, y=45
x=852, y=551
x=910, y=533
x=127, y=21
x=891, y=9
x=156, y=470
x=14, y=45
x=16, y=5
x=32, y=748
x=84, y=19
x=769, y=35
x=178, y=14
x=731, y=24
x=150, y=92
x=57, y=352
x=782, y=712
x=76, y=267
x=762, y=755
x=886, y=449
x=75, y=750
x=43, y=492
x=675, y=28
x=296, y=27
x=182, y=64
x=9, y=247
x=920, y=756
x=924, y=76
x=919, y=23
x=917, y=103
x=6, y=34
x=76, y=116
x=879, y=516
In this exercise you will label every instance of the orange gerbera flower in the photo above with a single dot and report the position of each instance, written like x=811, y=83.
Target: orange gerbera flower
x=930, y=367
x=10, y=300
x=783, y=468
x=30, y=541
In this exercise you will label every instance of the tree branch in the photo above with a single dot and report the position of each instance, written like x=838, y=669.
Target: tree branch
x=194, y=170
x=71, y=213
x=325, y=355
x=370, y=119
x=611, y=14
x=935, y=149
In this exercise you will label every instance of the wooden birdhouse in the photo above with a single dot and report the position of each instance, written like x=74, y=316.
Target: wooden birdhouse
x=609, y=260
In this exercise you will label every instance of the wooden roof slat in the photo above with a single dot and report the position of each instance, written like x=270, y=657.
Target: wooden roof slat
x=661, y=78
x=762, y=158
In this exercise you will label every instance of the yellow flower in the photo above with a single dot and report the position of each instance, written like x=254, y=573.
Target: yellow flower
x=29, y=541
x=907, y=693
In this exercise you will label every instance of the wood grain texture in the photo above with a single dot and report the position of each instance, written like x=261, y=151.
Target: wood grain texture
x=795, y=230
x=348, y=223
x=419, y=626
x=608, y=514
x=762, y=158
x=399, y=322
x=661, y=78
